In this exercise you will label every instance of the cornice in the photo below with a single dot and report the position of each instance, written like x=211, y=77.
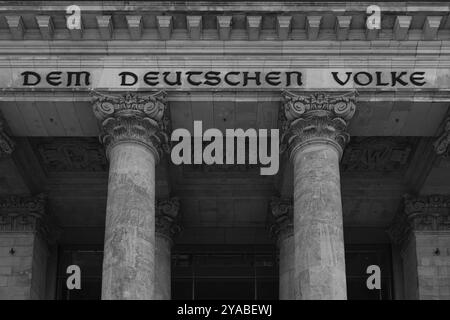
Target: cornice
x=338, y=20
x=262, y=6
x=291, y=49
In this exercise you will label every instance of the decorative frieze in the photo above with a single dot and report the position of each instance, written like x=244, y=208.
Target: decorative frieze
x=26, y=214
x=316, y=116
x=167, y=216
x=133, y=117
x=424, y=213
x=441, y=145
x=282, y=214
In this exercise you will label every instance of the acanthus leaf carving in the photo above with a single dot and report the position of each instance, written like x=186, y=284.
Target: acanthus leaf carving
x=166, y=220
x=282, y=218
x=441, y=145
x=316, y=116
x=133, y=117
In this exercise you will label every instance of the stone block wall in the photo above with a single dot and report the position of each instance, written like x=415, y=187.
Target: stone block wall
x=426, y=265
x=22, y=274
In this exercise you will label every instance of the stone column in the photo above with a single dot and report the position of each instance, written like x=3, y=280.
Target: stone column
x=26, y=235
x=133, y=132
x=314, y=130
x=421, y=233
x=283, y=231
x=166, y=229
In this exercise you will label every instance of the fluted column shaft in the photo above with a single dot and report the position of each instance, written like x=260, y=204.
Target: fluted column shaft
x=315, y=132
x=133, y=132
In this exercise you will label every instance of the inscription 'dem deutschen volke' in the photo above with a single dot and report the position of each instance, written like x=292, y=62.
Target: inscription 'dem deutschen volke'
x=228, y=79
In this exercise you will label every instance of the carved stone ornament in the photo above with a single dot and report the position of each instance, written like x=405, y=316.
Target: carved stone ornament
x=6, y=143
x=441, y=145
x=425, y=213
x=167, y=216
x=378, y=154
x=70, y=154
x=282, y=214
x=316, y=116
x=133, y=117
x=27, y=214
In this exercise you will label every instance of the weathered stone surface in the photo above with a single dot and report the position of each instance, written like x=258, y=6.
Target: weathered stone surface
x=163, y=268
x=318, y=228
x=286, y=268
x=129, y=254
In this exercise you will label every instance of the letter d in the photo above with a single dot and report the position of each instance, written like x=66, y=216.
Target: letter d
x=26, y=79
x=123, y=76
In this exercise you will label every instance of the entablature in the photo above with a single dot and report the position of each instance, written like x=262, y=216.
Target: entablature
x=224, y=21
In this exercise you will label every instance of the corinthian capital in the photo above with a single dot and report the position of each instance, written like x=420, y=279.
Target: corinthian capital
x=425, y=213
x=27, y=214
x=6, y=143
x=441, y=145
x=282, y=213
x=132, y=117
x=166, y=217
x=316, y=116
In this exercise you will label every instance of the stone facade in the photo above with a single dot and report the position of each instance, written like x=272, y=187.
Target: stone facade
x=87, y=116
